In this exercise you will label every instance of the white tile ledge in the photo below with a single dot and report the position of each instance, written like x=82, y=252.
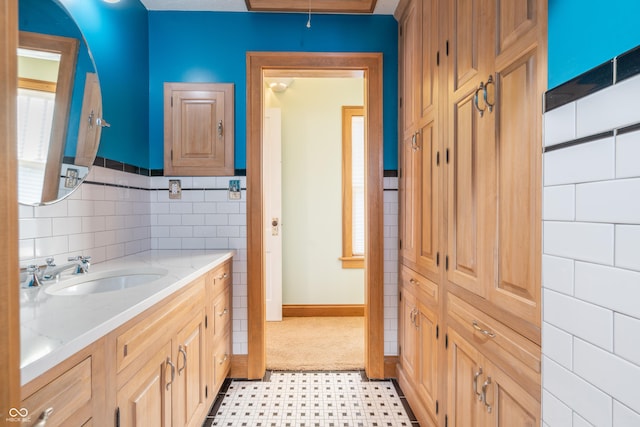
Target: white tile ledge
x=53, y=328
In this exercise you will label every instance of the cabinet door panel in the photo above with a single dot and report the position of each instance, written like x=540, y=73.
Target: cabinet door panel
x=428, y=202
x=466, y=41
x=464, y=238
x=408, y=334
x=145, y=398
x=463, y=407
x=195, y=119
x=517, y=284
x=515, y=18
x=510, y=404
x=410, y=66
x=428, y=358
x=429, y=52
x=190, y=378
x=408, y=188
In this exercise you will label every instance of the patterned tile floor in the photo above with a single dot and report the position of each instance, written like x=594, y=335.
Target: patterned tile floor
x=310, y=399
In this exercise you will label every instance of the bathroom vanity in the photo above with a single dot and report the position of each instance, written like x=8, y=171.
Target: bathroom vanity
x=152, y=353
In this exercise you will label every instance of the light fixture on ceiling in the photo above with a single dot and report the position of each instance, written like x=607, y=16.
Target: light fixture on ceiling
x=278, y=85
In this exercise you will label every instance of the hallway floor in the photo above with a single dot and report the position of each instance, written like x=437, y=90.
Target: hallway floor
x=310, y=399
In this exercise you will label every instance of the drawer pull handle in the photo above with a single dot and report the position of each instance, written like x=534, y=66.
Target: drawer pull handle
x=475, y=384
x=42, y=419
x=173, y=372
x=223, y=276
x=182, y=351
x=484, y=394
x=224, y=359
x=414, y=281
x=484, y=332
x=223, y=312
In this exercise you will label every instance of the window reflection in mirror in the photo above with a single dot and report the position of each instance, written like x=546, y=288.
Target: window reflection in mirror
x=46, y=70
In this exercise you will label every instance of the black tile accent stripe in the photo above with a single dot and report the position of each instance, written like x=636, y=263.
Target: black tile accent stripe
x=585, y=84
x=391, y=173
x=626, y=65
x=629, y=129
x=578, y=141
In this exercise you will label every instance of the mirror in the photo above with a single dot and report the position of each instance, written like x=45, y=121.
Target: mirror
x=59, y=104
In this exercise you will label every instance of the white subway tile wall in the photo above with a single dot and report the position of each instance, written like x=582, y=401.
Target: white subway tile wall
x=591, y=263
x=111, y=222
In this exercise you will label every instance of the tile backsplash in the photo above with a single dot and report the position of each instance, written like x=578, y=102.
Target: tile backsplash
x=591, y=260
x=116, y=213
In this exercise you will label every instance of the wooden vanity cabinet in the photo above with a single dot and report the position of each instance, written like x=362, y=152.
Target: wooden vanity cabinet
x=160, y=363
x=74, y=390
x=198, y=129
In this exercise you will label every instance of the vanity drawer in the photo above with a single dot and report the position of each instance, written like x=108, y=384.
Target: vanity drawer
x=424, y=289
x=68, y=395
x=492, y=337
x=220, y=278
x=221, y=312
x=221, y=360
x=149, y=331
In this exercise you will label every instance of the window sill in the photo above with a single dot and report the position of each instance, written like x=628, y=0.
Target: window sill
x=352, y=262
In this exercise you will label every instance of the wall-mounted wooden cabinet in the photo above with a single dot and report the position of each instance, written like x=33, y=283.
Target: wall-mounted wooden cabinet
x=198, y=129
x=472, y=75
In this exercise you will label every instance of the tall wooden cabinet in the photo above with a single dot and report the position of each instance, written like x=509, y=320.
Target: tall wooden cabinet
x=472, y=75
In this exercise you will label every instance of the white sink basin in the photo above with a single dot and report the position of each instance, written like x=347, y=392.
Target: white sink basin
x=106, y=281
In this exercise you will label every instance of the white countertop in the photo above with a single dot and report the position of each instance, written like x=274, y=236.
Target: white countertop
x=53, y=328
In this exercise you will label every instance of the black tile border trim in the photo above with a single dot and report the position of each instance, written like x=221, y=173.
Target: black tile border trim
x=628, y=129
x=578, y=141
x=615, y=70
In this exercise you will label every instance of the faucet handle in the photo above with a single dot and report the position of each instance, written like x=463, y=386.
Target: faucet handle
x=33, y=276
x=50, y=262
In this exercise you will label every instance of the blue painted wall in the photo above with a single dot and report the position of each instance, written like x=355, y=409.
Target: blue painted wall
x=585, y=34
x=118, y=37
x=212, y=46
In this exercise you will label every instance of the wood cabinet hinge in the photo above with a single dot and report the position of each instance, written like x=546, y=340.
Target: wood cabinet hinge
x=447, y=156
x=172, y=102
x=400, y=103
x=206, y=322
x=437, y=58
x=206, y=391
x=400, y=296
x=446, y=262
x=437, y=158
x=447, y=47
x=400, y=244
x=118, y=417
x=437, y=259
x=437, y=407
x=437, y=331
x=446, y=341
x=446, y=421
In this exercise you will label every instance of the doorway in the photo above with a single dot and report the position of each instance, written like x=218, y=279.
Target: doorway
x=313, y=185
x=371, y=66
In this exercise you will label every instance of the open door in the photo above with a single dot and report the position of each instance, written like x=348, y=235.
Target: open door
x=272, y=179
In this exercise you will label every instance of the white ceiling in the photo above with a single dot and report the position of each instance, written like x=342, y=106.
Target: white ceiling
x=383, y=7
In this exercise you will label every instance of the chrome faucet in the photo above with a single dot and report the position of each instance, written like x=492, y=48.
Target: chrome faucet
x=80, y=264
x=33, y=277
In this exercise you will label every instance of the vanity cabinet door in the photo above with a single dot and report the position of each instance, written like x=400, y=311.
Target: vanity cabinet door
x=146, y=398
x=189, y=391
